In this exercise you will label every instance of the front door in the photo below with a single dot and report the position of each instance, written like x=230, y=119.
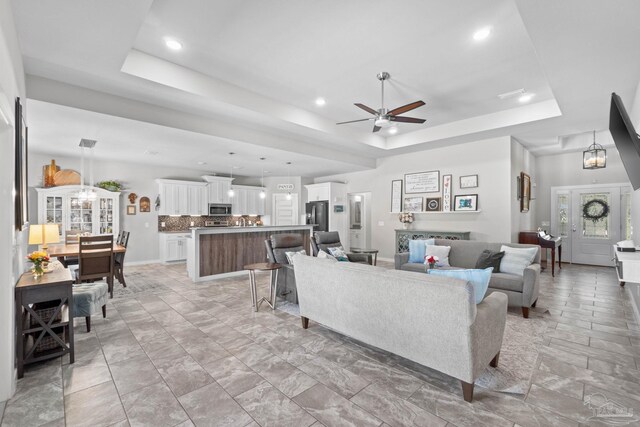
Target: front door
x=285, y=210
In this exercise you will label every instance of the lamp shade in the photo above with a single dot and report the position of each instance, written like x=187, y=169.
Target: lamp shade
x=42, y=234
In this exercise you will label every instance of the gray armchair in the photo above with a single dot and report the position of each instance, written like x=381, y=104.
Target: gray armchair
x=277, y=246
x=323, y=240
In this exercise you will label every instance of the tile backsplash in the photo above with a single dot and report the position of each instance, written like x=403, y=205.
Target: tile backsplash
x=183, y=223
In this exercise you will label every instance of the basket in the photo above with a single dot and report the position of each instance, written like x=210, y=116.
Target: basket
x=49, y=343
x=45, y=311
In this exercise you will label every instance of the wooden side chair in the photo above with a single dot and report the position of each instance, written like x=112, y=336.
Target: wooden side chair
x=70, y=237
x=90, y=293
x=119, y=259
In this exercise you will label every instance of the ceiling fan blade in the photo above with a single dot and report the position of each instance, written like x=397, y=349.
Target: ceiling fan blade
x=367, y=109
x=406, y=119
x=354, y=121
x=405, y=108
x=376, y=128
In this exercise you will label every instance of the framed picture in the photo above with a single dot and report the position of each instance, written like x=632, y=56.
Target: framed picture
x=396, y=196
x=413, y=204
x=525, y=192
x=145, y=204
x=131, y=210
x=20, y=183
x=468, y=181
x=446, y=192
x=466, y=202
x=433, y=204
x=422, y=182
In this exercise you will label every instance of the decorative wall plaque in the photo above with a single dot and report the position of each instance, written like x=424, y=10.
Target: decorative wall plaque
x=422, y=182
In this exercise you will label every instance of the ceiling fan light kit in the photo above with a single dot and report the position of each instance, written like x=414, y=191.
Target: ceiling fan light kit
x=384, y=117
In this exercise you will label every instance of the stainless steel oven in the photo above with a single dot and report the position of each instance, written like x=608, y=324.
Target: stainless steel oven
x=219, y=209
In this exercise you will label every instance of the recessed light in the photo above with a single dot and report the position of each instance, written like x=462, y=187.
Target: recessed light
x=202, y=163
x=482, y=34
x=320, y=102
x=393, y=130
x=172, y=44
x=526, y=97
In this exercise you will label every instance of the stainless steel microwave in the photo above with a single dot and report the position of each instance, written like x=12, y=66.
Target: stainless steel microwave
x=219, y=209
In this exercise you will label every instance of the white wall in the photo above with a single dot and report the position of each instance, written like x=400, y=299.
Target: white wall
x=521, y=161
x=137, y=178
x=490, y=159
x=566, y=169
x=12, y=245
x=634, y=113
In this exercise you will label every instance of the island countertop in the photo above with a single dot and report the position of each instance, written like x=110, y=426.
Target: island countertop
x=216, y=252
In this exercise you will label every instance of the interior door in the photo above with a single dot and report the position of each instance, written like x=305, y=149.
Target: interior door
x=285, y=212
x=595, y=224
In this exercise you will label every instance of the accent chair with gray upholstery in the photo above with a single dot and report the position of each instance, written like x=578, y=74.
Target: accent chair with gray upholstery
x=323, y=240
x=277, y=246
x=522, y=291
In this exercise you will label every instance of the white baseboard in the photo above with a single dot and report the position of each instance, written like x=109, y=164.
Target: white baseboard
x=150, y=261
x=386, y=259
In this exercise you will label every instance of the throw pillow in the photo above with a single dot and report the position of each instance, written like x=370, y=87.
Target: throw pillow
x=478, y=278
x=324, y=255
x=417, y=248
x=488, y=258
x=515, y=260
x=338, y=253
x=442, y=252
x=292, y=253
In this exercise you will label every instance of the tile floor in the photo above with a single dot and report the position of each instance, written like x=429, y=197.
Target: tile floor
x=181, y=354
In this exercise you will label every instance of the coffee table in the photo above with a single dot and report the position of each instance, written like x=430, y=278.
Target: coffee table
x=373, y=252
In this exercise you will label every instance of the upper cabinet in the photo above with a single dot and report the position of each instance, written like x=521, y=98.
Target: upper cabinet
x=218, y=188
x=61, y=205
x=247, y=201
x=182, y=197
x=316, y=192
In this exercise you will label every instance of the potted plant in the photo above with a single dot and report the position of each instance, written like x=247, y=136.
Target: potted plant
x=406, y=218
x=110, y=185
x=39, y=259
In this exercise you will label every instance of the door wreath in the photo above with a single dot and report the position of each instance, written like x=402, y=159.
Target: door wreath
x=595, y=210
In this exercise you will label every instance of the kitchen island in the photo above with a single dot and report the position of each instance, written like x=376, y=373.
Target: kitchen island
x=218, y=252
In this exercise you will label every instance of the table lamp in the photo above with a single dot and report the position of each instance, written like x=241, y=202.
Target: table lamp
x=43, y=234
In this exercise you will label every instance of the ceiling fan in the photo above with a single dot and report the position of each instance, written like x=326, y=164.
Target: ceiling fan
x=383, y=117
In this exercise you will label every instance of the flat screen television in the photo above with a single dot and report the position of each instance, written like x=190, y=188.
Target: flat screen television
x=626, y=138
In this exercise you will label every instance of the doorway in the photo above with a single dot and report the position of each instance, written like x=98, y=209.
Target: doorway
x=360, y=220
x=590, y=220
x=285, y=210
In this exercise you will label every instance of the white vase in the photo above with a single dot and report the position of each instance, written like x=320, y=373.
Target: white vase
x=405, y=225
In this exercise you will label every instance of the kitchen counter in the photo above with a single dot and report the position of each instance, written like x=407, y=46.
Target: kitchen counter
x=217, y=252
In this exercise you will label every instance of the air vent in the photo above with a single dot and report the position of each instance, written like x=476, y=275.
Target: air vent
x=88, y=143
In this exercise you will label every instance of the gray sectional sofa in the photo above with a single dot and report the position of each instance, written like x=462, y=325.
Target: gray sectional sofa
x=521, y=290
x=433, y=321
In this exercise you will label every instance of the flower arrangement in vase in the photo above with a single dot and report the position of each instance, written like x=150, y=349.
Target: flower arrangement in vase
x=406, y=218
x=430, y=261
x=39, y=260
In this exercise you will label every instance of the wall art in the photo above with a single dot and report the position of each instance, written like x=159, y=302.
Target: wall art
x=422, y=182
x=446, y=193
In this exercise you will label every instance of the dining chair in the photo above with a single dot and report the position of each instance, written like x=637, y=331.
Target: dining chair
x=70, y=237
x=119, y=259
x=90, y=293
x=120, y=235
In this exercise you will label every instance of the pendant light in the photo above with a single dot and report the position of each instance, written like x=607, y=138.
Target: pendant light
x=231, y=193
x=86, y=194
x=595, y=157
x=262, y=193
x=289, y=180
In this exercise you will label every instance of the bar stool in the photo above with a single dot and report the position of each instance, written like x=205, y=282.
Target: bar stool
x=263, y=266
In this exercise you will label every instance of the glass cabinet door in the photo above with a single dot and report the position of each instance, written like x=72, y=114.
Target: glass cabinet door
x=106, y=216
x=53, y=212
x=81, y=215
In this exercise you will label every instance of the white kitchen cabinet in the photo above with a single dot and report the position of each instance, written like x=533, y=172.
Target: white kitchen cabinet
x=173, y=247
x=317, y=192
x=247, y=201
x=60, y=205
x=218, y=189
x=182, y=197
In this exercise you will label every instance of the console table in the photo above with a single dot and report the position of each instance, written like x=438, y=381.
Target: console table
x=403, y=236
x=32, y=326
x=533, y=238
x=627, y=266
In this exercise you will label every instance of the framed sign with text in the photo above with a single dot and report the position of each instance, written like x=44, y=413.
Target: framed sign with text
x=396, y=196
x=422, y=182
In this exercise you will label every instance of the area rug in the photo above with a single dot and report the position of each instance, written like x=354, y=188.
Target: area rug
x=518, y=355
x=137, y=284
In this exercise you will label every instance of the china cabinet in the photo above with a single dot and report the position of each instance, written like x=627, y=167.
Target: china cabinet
x=62, y=206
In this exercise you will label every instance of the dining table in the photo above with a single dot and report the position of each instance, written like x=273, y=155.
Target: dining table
x=72, y=249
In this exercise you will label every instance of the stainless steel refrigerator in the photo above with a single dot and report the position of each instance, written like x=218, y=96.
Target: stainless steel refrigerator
x=317, y=213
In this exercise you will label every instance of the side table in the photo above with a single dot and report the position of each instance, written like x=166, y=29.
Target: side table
x=373, y=252
x=55, y=287
x=263, y=266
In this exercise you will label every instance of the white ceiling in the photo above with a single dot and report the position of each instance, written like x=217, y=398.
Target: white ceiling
x=250, y=71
